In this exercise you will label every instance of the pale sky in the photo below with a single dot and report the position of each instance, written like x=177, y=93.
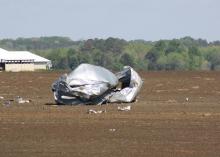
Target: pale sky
x=127, y=19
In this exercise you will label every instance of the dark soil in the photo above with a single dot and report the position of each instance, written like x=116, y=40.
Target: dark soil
x=177, y=114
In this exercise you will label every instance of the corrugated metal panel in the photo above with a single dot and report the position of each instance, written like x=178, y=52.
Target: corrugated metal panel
x=3, y=54
x=20, y=55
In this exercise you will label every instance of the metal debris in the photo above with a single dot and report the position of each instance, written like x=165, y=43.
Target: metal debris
x=90, y=84
x=7, y=103
x=126, y=108
x=91, y=111
x=112, y=130
x=20, y=100
x=206, y=114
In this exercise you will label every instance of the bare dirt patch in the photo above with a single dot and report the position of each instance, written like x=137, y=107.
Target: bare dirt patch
x=177, y=114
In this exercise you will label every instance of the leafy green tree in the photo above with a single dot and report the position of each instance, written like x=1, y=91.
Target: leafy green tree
x=161, y=62
x=114, y=45
x=59, y=59
x=214, y=59
x=98, y=57
x=174, y=46
x=127, y=59
x=175, y=61
x=177, y=54
x=72, y=58
x=154, y=54
x=195, y=58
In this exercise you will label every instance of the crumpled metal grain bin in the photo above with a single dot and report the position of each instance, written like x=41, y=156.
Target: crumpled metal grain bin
x=90, y=84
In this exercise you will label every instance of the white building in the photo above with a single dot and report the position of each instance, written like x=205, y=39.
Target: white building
x=22, y=61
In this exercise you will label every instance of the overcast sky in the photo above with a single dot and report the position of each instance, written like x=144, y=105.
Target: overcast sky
x=127, y=19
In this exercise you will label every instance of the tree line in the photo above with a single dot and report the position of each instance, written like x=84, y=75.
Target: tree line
x=113, y=53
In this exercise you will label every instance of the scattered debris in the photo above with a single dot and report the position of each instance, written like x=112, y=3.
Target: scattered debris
x=7, y=103
x=161, y=90
x=90, y=111
x=1, y=97
x=209, y=79
x=20, y=100
x=171, y=101
x=206, y=114
x=187, y=99
x=126, y=108
x=112, y=130
x=90, y=84
x=183, y=89
x=17, y=99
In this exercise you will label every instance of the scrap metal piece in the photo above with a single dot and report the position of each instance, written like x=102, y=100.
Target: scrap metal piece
x=130, y=88
x=20, y=100
x=126, y=108
x=90, y=111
